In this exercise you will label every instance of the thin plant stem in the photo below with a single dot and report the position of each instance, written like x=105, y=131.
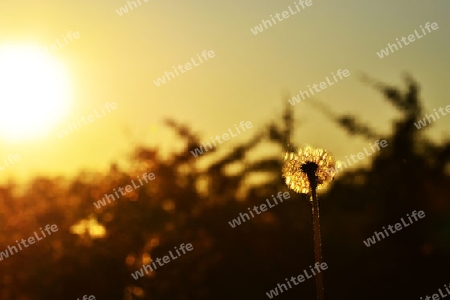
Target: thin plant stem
x=310, y=170
x=317, y=242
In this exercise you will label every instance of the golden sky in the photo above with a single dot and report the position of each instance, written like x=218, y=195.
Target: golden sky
x=116, y=58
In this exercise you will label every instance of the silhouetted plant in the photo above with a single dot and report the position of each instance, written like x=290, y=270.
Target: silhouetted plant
x=307, y=170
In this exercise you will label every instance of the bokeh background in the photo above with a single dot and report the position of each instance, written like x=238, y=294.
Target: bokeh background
x=192, y=198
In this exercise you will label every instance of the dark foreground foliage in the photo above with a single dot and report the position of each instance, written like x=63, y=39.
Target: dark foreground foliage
x=187, y=203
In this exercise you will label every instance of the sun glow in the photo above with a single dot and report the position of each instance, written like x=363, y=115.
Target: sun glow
x=34, y=92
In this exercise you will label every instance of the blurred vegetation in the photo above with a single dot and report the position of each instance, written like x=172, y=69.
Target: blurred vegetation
x=188, y=204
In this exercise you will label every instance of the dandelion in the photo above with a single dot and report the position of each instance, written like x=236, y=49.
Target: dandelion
x=307, y=170
x=308, y=157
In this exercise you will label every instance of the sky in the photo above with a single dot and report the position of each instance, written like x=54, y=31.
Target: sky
x=119, y=55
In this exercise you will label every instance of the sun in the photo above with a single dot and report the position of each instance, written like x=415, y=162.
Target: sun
x=34, y=92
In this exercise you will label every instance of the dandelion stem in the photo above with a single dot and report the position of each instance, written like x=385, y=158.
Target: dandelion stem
x=310, y=170
x=317, y=242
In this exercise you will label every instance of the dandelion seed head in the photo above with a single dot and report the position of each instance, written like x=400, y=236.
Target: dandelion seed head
x=296, y=179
